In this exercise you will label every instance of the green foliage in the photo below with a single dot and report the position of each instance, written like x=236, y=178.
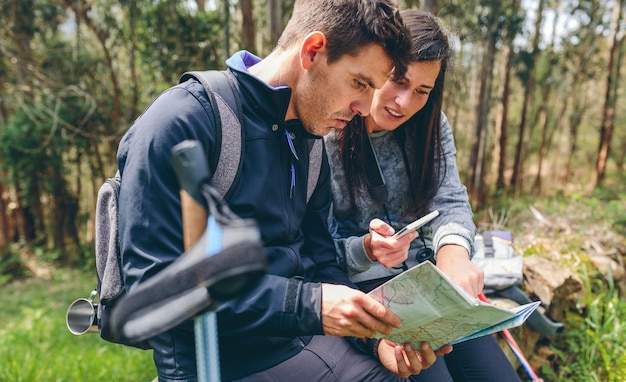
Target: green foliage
x=172, y=39
x=35, y=344
x=23, y=145
x=34, y=142
x=594, y=346
x=11, y=265
x=614, y=196
x=35, y=154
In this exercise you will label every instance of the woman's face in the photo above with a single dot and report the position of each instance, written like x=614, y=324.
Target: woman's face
x=396, y=102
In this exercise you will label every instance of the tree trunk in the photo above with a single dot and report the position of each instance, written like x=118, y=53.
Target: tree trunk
x=24, y=218
x=619, y=158
x=22, y=36
x=545, y=118
x=431, y=6
x=544, y=114
x=58, y=221
x=82, y=10
x=518, y=165
x=579, y=105
x=248, y=35
x=4, y=219
x=610, y=98
x=454, y=100
x=503, y=125
x=574, y=123
x=64, y=218
x=556, y=124
x=516, y=177
x=226, y=25
x=478, y=160
x=133, y=15
x=199, y=4
x=276, y=20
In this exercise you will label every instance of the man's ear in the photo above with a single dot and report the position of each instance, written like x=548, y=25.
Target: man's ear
x=312, y=45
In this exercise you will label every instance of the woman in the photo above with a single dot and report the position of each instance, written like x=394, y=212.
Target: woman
x=408, y=137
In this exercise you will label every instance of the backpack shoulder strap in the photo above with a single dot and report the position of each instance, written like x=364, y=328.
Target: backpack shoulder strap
x=488, y=243
x=223, y=95
x=108, y=259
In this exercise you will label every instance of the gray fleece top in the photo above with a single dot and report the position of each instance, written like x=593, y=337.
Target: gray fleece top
x=454, y=225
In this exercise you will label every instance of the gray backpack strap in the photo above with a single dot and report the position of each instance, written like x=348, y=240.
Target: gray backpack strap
x=108, y=258
x=488, y=244
x=223, y=93
x=315, y=165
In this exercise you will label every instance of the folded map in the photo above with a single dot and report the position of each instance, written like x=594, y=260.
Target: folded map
x=434, y=309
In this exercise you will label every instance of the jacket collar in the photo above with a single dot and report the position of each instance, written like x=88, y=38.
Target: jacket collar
x=269, y=102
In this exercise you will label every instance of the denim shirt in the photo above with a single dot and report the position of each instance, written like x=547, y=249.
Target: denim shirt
x=454, y=225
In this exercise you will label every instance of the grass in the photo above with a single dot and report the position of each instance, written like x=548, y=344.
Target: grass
x=35, y=344
x=594, y=349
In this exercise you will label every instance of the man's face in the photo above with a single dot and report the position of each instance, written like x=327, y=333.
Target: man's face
x=329, y=96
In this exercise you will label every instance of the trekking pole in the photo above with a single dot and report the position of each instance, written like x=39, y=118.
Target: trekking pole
x=515, y=347
x=192, y=170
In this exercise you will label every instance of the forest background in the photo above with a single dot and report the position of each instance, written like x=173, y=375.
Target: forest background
x=535, y=96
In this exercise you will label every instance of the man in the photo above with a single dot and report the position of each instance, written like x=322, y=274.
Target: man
x=304, y=318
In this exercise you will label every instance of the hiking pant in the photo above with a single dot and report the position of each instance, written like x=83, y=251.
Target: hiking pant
x=329, y=358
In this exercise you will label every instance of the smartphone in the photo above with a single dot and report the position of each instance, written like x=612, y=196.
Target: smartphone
x=416, y=224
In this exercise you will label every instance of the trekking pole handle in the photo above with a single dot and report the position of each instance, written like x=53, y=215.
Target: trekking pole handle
x=192, y=170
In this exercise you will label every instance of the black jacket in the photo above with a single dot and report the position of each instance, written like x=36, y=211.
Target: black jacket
x=263, y=327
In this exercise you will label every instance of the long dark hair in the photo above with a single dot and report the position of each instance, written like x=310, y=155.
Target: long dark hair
x=422, y=131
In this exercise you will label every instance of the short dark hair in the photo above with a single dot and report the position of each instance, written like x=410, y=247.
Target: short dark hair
x=350, y=25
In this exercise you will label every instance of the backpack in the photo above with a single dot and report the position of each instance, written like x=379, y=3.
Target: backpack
x=222, y=91
x=495, y=254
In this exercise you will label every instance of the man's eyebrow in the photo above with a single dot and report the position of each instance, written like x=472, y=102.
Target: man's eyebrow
x=369, y=80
